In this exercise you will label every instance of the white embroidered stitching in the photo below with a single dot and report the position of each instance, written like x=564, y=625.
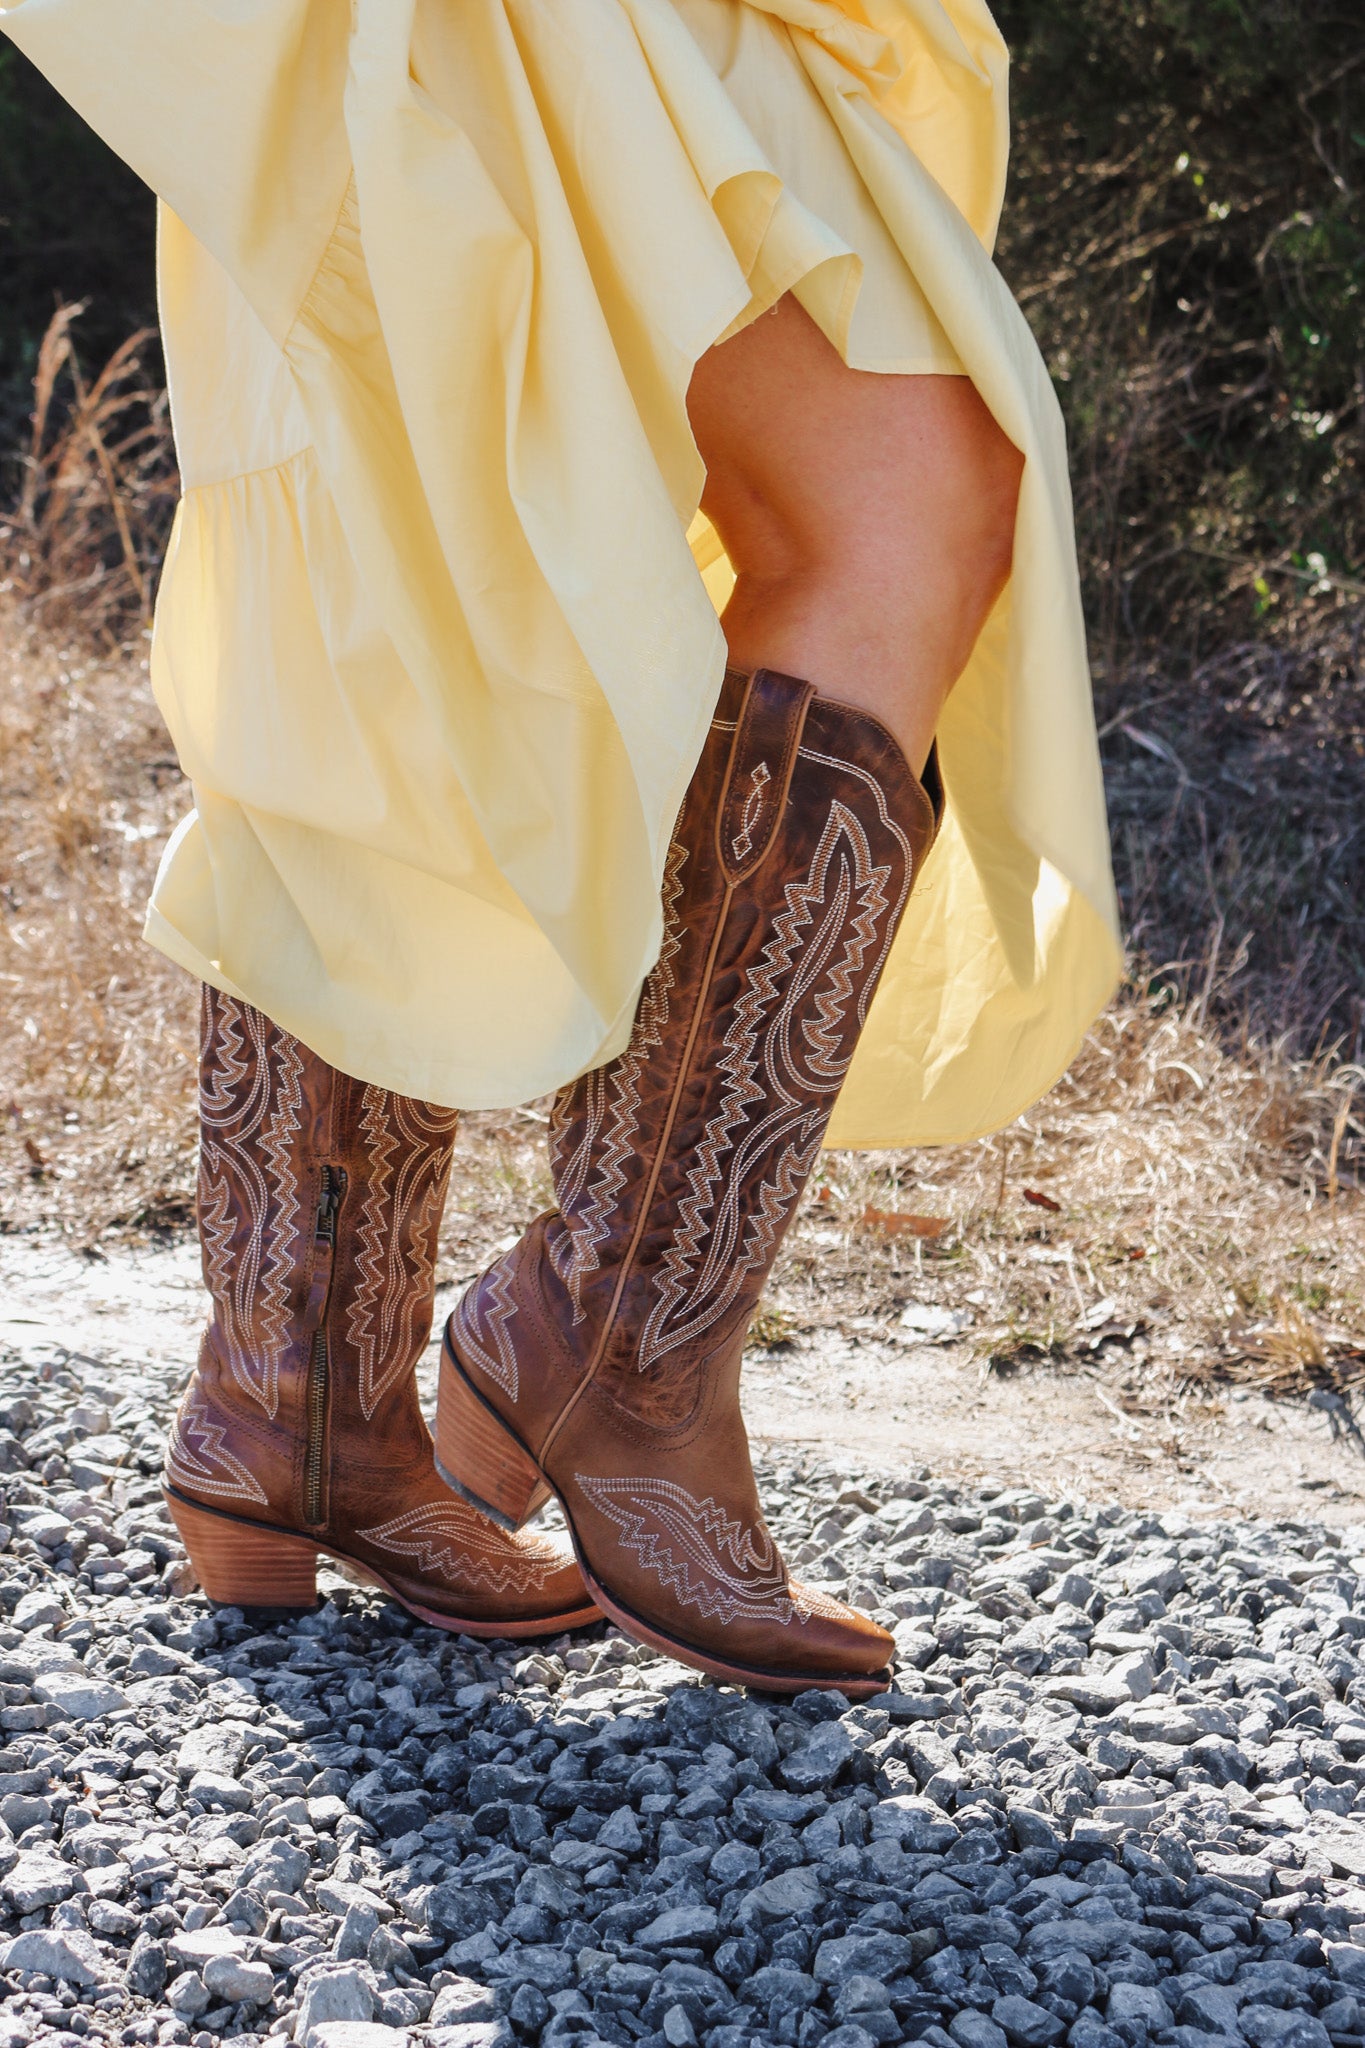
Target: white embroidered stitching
x=570, y=1170
x=700, y=1554
x=586, y=1230
x=888, y=823
x=819, y=964
x=449, y=1541
x=249, y=1284
x=500, y=1363
x=388, y=1315
x=743, y=842
x=197, y=1449
x=824, y=1604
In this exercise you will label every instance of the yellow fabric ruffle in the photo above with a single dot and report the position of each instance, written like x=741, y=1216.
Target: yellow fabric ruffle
x=437, y=636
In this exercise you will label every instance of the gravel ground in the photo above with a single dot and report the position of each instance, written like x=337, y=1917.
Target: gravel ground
x=1119, y=1795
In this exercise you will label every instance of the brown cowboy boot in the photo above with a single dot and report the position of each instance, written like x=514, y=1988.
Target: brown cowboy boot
x=319, y=1202
x=601, y=1357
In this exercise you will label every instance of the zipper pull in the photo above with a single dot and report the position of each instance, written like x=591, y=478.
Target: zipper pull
x=329, y=1204
x=332, y=1187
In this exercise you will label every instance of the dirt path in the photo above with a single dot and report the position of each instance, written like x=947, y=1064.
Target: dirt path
x=1061, y=1434
x=883, y=1401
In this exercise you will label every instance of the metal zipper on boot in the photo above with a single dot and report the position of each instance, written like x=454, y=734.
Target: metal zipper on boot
x=325, y=1237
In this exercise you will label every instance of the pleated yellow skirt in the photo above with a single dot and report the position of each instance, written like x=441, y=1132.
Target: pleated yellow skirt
x=437, y=637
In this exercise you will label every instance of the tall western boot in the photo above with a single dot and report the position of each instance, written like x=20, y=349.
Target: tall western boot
x=601, y=1357
x=319, y=1204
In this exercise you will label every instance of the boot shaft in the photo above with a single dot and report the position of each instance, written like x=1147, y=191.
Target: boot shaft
x=678, y=1167
x=602, y=1354
x=320, y=1200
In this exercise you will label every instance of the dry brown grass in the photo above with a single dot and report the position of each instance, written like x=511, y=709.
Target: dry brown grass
x=97, y=1051
x=1209, y=1218
x=82, y=543
x=1186, y=1204
x=1196, y=1209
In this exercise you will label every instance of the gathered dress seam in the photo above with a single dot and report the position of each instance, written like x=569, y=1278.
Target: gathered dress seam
x=246, y=476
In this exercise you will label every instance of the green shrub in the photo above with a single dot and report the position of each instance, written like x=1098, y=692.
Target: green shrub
x=1186, y=230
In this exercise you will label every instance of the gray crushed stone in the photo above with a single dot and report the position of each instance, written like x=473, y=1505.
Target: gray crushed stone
x=1117, y=1797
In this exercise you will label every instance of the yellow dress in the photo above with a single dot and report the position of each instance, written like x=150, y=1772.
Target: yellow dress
x=437, y=636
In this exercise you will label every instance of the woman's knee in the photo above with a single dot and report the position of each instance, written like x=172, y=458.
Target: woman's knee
x=948, y=474
x=821, y=472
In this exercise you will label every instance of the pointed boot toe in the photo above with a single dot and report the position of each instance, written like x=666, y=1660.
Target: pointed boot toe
x=841, y=1639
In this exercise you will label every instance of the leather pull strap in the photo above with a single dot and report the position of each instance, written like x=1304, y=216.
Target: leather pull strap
x=760, y=773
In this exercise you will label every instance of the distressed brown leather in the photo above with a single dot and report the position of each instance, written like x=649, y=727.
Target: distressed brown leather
x=609, y=1340
x=320, y=1198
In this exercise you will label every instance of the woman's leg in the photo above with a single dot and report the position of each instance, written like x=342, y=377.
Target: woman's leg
x=869, y=518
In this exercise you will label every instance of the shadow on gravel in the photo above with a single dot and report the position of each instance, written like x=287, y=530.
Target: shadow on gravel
x=1117, y=1797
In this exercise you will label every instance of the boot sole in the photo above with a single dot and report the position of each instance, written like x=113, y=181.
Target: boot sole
x=466, y=1421
x=265, y=1569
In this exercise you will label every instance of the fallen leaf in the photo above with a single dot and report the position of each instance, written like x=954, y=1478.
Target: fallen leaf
x=902, y=1223
x=939, y=1324
x=31, y=1147
x=1041, y=1201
